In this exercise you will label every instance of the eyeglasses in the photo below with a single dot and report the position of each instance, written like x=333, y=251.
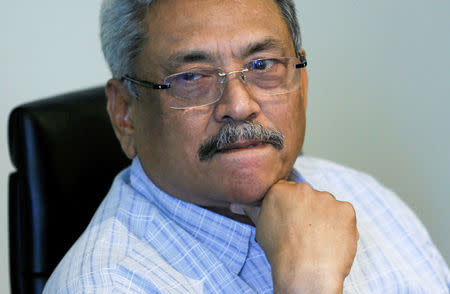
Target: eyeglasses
x=203, y=86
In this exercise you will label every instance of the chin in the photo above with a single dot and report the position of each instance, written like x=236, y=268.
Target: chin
x=244, y=177
x=247, y=190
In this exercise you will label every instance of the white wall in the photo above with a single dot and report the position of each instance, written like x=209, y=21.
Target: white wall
x=379, y=88
x=380, y=96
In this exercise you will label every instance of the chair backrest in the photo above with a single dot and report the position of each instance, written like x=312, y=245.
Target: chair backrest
x=66, y=157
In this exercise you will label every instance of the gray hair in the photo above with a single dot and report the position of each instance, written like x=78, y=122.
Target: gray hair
x=233, y=131
x=123, y=33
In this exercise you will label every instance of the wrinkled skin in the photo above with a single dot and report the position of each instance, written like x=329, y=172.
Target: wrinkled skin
x=309, y=238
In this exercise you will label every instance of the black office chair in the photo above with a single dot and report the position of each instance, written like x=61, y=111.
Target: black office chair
x=66, y=156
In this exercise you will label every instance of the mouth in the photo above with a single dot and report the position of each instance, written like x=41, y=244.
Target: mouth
x=239, y=136
x=239, y=146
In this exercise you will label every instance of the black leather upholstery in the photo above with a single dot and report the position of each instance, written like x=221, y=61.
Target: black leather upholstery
x=66, y=156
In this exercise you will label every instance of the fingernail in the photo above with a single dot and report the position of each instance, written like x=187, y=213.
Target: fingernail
x=237, y=208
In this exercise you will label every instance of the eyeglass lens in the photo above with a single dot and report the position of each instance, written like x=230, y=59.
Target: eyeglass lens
x=264, y=78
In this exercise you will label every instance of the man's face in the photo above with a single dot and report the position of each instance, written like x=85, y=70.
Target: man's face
x=225, y=34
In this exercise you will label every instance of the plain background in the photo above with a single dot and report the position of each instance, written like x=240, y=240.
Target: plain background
x=379, y=88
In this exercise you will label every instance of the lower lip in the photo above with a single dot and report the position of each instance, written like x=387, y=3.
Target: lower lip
x=255, y=147
x=245, y=158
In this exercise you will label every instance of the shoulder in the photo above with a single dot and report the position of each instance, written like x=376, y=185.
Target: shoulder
x=389, y=229
x=323, y=171
x=347, y=184
x=93, y=264
x=377, y=207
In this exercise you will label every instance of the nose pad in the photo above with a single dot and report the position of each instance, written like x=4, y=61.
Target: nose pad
x=243, y=78
x=239, y=76
x=227, y=77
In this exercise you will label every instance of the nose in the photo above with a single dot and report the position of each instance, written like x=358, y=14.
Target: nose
x=237, y=102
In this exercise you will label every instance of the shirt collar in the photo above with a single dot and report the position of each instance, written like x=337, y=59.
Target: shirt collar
x=227, y=239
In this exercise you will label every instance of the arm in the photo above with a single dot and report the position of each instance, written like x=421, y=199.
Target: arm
x=308, y=236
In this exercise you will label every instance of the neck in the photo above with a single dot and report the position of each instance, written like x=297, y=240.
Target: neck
x=227, y=213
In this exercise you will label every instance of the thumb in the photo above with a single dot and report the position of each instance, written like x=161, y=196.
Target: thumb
x=252, y=212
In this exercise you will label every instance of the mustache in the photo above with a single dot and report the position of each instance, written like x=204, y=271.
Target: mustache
x=235, y=131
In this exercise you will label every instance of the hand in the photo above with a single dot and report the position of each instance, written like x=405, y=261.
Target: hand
x=308, y=236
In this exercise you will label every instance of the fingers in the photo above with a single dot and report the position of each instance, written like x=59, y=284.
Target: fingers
x=297, y=226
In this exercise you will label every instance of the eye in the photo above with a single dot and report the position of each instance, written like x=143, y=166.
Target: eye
x=192, y=80
x=262, y=64
x=189, y=76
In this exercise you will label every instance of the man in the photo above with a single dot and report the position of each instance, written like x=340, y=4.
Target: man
x=209, y=98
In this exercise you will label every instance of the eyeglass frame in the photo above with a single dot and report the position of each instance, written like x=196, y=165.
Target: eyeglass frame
x=147, y=84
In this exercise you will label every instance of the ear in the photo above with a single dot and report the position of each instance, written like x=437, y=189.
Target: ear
x=304, y=80
x=119, y=110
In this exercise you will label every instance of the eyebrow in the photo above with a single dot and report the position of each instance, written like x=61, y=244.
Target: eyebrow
x=268, y=44
x=191, y=56
x=188, y=56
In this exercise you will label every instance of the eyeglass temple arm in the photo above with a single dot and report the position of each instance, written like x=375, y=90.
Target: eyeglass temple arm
x=146, y=84
x=302, y=63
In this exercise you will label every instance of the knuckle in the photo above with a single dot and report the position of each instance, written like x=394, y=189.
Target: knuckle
x=303, y=187
x=326, y=197
x=348, y=207
x=329, y=195
x=276, y=192
x=348, y=212
x=270, y=197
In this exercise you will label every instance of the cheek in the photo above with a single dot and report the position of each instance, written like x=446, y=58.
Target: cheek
x=297, y=127
x=169, y=134
x=183, y=133
x=289, y=118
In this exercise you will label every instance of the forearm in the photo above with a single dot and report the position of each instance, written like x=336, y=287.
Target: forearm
x=305, y=280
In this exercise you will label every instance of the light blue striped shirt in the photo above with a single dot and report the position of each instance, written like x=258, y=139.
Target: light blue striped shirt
x=142, y=240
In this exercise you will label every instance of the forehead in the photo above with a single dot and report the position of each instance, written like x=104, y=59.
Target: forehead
x=223, y=28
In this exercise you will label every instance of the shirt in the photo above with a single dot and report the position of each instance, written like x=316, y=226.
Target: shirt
x=142, y=240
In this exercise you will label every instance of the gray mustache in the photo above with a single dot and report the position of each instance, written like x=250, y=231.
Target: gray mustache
x=235, y=131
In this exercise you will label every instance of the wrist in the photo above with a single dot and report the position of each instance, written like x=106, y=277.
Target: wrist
x=307, y=281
